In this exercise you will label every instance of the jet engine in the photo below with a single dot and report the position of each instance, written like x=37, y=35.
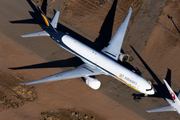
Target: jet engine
x=93, y=82
x=124, y=57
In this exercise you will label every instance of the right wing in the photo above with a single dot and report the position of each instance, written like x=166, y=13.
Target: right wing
x=114, y=48
x=83, y=70
x=162, y=109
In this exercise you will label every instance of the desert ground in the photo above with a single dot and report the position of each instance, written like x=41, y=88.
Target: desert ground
x=150, y=33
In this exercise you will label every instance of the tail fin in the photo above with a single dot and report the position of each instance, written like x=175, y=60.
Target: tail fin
x=171, y=92
x=50, y=25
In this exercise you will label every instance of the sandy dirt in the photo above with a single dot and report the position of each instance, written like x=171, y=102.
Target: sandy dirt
x=73, y=96
x=162, y=49
x=78, y=13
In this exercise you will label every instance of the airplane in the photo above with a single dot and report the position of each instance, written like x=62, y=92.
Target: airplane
x=174, y=104
x=95, y=62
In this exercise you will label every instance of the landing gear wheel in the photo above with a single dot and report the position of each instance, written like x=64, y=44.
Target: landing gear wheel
x=145, y=95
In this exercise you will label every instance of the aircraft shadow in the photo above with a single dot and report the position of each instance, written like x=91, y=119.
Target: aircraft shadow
x=44, y=6
x=173, y=22
x=36, y=17
x=161, y=90
x=74, y=61
x=105, y=32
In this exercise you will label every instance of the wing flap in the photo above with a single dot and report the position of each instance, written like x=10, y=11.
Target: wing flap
x=115, y=44
x=81, y=71
x=162, y=109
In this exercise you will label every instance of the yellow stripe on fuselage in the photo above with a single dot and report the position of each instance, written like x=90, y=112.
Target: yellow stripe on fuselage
x=45, y=20
x=126, y=83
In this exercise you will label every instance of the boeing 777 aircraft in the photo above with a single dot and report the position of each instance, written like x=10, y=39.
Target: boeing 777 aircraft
x=95, y=63
x=174, y=104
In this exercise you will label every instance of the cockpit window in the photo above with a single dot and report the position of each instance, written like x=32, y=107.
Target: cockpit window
x=149, y=89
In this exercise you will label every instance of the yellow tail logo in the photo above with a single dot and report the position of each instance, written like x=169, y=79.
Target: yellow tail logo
x=45, y=20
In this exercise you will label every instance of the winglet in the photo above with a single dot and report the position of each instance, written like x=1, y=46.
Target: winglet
x=130, y=9
x=23, y=83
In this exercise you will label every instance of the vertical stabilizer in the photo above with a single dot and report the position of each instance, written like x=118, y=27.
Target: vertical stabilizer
x=48, y=24
x=173, y=95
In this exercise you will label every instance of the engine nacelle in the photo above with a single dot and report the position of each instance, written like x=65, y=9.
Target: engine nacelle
x=124, y=57
x=93, y=83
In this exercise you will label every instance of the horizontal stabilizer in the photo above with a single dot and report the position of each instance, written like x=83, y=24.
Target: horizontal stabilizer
x=36, y=34
x=161, y=109
x=54, y=21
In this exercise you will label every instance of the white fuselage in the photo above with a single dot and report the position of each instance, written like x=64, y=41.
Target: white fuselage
x=106, y=64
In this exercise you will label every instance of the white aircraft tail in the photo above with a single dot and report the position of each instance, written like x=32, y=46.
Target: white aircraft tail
x=50, y=25
x=173, y=95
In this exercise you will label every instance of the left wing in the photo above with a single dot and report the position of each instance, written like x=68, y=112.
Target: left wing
x=83, y=70
x=114, y=48
x=162, y=109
